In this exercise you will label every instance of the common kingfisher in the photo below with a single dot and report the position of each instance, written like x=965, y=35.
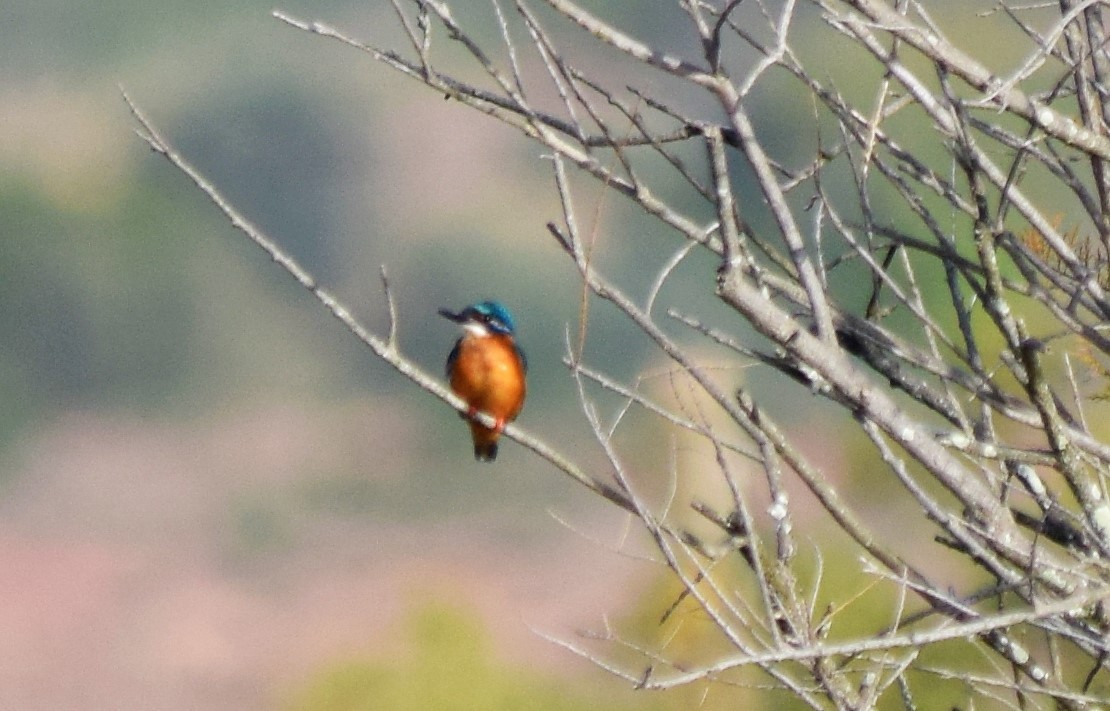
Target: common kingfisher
x=486, y=368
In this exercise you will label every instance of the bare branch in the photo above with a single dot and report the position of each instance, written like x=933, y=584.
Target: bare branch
x=382, y=349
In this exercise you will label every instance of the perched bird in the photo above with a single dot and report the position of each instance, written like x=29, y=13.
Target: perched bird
x=486, y=368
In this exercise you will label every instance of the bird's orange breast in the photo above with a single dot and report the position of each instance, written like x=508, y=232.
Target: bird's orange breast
x=489, y=375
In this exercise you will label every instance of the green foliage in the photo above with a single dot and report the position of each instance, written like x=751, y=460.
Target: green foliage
x=449, y=666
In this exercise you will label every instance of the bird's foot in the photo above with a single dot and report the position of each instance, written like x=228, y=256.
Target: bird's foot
x=472, y=415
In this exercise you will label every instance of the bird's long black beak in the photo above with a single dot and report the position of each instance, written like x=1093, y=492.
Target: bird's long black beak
x=451, y=315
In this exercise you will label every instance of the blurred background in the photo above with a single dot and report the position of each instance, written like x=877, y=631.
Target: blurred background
x=211, y=496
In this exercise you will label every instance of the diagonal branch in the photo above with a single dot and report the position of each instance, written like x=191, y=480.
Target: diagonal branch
x=386, y=349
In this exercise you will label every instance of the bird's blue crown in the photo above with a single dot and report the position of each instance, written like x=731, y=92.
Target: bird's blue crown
x=499, y=317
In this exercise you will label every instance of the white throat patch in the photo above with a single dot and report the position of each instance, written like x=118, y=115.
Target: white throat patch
x=476, y=329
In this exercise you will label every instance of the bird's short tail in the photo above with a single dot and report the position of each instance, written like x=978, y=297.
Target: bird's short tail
x=485, y=451
x=485, y=442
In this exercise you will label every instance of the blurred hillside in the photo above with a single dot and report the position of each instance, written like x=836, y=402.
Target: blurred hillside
x=210, y=496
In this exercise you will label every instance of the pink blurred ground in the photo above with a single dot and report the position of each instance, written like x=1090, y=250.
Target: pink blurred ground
x=121, y=590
